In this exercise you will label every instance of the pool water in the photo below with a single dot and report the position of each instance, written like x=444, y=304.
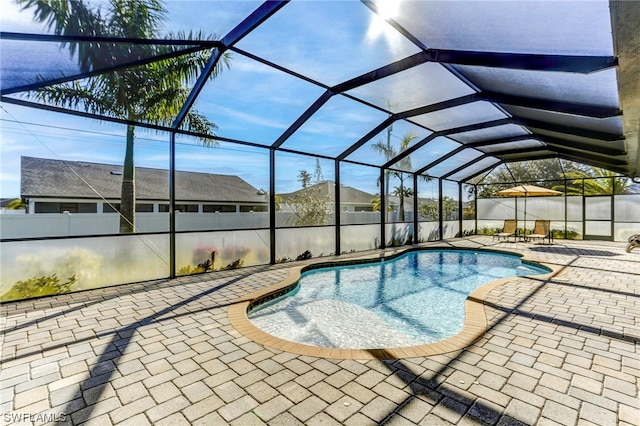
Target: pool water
x=414, y=299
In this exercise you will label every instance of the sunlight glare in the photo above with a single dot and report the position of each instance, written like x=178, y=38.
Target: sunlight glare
x=387, y=9
x=379, y=27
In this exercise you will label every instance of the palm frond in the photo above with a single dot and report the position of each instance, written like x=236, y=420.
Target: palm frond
x=191, y=36
x=161, y=107
x=383, y=149
x=74, y=95
x=198, y=123
x=136, y=18
x=71, y=17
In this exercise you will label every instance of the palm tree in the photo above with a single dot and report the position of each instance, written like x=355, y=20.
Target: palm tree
x=402, y=192
x=153, y=92
x=405, y=164
x=596, y=181
x=304, y=177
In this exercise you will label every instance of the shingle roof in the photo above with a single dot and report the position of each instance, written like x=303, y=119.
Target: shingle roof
x=328, y=187
x=44, y=177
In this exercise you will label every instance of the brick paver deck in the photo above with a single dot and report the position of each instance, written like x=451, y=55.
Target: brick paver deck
x=561, y=351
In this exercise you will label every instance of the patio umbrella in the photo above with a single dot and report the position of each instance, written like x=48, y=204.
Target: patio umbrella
x=527, y=191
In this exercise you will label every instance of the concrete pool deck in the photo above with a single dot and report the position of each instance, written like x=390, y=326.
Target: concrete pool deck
x=558, y=350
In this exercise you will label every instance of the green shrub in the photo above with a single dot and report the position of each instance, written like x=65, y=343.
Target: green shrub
x=559, y=234
x=489, y=231
x=236, y=264
x=38, y=286
x=188, y=270
x=306, y=255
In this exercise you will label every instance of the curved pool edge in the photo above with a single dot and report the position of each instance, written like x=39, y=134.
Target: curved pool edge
x=474, y=327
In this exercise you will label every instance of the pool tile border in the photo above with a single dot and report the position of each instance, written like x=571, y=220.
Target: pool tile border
x=475, y=324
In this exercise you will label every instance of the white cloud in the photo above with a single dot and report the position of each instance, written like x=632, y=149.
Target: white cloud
x=13, y=19
x=242, y=64
x=247, y=118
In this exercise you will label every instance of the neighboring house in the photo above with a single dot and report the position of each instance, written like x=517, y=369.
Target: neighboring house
x=56, y=186
x=351, y=199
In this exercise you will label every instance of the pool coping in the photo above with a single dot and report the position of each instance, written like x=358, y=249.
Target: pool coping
x=474, y=327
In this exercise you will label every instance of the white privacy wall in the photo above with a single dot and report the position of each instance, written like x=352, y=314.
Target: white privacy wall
x=626, y=215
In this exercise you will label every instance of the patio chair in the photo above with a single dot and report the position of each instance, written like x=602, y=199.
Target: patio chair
x=509, y=229
x=633, y=242
x=541, y=230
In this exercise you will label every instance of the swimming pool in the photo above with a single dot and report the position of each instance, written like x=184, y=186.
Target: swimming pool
x=416, y=298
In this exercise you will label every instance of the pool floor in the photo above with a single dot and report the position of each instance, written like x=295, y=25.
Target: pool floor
x=416, y=298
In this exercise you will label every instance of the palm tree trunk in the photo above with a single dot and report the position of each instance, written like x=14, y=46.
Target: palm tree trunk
x=128, y=193
x=401, y=201
x=389, y=155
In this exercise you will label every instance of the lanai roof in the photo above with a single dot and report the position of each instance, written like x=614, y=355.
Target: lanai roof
x=479, y=83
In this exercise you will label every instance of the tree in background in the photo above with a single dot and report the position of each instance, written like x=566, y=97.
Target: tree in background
x=596, y=181
x=536, y=172
x=309, y=205
x=154, y=92
x=548, y=173
x=402, y=193
x=304, y=177
x=389, y=153
x=429, y=211
x=318, y=176
x=469, y=212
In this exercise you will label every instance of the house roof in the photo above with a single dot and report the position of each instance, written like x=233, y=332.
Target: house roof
x=44, y=177
x=328, y=188
x=349, y=195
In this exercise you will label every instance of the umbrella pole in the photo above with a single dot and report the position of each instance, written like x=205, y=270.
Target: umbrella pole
x=525, y=214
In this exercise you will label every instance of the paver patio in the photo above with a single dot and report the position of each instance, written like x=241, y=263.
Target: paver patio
x=558, y=351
